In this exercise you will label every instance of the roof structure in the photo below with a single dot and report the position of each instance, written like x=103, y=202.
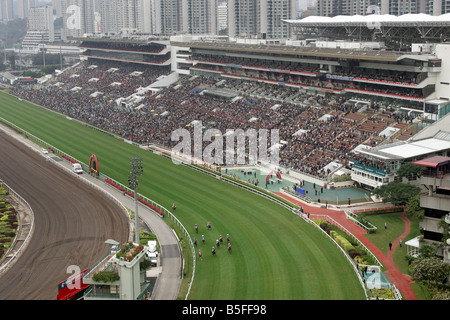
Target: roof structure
x=420, y=26
x=407, y=149
x=385, y=19
x=433, y=162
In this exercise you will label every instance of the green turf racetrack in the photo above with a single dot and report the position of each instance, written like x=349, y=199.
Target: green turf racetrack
x=275, y=254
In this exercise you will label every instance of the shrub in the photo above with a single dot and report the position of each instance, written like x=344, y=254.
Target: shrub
x=383, y=293
x=106, y=276
x=324, y=226
x=360, y=260
x=344, y=243
x=354, y=253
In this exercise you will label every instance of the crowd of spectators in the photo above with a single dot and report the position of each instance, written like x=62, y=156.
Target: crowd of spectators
x=107, y=79
x=315, y=130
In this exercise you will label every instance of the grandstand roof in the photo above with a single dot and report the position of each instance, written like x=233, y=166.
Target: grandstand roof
x=386, y=19
x=408, y=150
x=415, y=27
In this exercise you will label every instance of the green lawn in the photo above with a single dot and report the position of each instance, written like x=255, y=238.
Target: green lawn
x=395, y=228
x=275, y=255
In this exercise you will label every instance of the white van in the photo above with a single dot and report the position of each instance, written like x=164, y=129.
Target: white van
x=76, y=167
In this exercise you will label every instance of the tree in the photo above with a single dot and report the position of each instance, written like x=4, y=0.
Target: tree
x=397, y=193
x=410, y=171
x=413, y=207
x=429, y=250
x=431, y=269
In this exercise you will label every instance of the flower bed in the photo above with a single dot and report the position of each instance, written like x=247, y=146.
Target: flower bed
x=357, y=252
x=379, y=211
x=8, y=226
x=129, y=251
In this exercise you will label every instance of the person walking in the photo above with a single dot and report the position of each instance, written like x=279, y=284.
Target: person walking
x=213, y=250
x=390, y=246
x=203, y=238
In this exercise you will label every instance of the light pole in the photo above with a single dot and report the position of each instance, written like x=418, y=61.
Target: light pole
x=136, y=170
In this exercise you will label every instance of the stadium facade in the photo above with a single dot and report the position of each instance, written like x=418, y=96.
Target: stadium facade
x=414, y=82
x=403, y=83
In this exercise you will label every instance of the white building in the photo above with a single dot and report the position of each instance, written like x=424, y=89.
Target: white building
x=222, y=15
x=40, y=27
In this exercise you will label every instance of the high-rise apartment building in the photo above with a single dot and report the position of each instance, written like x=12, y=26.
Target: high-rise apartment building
x=332, y=8
x=168, y=16
x=222, y=15
x=40, y=27
x=78, y=17
x=250, y=18
x=243, y=18
x=272, y=16
x=120, y=15
x=202, y=17
x=57, y=7
x=6, y=10
x=23, y=6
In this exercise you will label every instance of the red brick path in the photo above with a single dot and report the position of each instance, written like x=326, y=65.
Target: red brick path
x=401, y=281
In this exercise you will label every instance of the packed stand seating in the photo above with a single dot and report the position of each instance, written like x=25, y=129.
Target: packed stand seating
x=315, y=128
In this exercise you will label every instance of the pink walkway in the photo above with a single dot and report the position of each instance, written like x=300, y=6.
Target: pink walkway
x=401, y=281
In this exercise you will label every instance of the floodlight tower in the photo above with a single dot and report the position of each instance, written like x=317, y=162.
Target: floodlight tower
x=136, y=170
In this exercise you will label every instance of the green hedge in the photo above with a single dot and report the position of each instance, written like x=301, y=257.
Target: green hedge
x=342, y=241
x=387, y=210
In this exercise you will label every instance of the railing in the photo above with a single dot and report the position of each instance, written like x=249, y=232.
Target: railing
x=349, y=259
x=349, y=215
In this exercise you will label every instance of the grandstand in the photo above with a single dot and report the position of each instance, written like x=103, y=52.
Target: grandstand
x=149, y=52
x=332, y=101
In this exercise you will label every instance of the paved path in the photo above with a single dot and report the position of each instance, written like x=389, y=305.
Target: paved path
x=401, y=281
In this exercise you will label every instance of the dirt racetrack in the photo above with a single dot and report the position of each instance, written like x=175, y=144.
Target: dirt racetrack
x=72, y=221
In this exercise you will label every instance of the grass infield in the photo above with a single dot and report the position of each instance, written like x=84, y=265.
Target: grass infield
x=275, y=255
